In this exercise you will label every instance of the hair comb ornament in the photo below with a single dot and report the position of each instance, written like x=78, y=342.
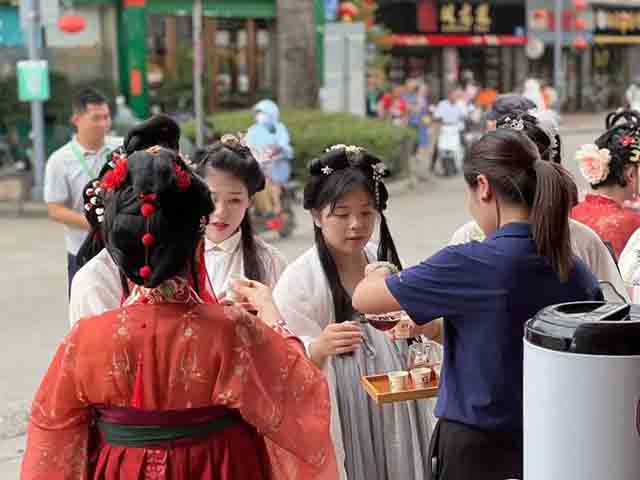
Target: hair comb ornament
x=379, y=171
x=93, y=196
x=514, y=124
x=353, y=152
x=230, y=139
x=327, y=170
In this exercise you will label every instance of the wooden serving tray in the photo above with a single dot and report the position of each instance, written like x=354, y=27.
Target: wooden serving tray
x=377, y=386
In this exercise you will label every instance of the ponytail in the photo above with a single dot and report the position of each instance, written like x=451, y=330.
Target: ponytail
x=550, y=215
x=253, y=268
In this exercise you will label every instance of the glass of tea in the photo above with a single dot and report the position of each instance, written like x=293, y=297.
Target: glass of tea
x=384, y=321
x=419, y=355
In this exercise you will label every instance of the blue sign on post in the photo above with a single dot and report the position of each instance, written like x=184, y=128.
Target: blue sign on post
x=330, y=10
x=10, y=32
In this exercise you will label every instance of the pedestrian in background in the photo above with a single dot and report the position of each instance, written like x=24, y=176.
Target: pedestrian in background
x=71, y=167
x=374, y=92
x=392, y=106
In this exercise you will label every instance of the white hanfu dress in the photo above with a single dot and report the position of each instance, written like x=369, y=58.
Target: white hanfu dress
x=97, y=287
x=226, y=258
x=371, y=441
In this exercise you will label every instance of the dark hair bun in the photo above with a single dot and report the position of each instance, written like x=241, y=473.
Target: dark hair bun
x=339, y=165
x=158, y=130
x=175, y=224
x=622, y=139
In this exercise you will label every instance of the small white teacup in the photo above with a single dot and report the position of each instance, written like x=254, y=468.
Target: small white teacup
x=398, y=381
x=421, y=377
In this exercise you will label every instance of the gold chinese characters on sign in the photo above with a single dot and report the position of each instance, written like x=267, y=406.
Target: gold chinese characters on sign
x=465, y=18
x=621, y=21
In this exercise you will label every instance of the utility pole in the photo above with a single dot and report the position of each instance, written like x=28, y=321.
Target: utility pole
x=33, y=28
x=557, y=51
x=197, y=71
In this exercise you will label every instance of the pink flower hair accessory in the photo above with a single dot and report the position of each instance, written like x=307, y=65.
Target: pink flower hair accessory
x=593, y=163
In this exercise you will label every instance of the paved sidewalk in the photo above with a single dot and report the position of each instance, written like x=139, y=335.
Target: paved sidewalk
x=582, y=122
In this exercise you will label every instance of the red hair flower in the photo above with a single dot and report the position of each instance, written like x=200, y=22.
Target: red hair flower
x=114, y=178
x=627, y=140
x=183, y=179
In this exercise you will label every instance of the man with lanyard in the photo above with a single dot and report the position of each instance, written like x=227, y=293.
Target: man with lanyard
x=71, y=167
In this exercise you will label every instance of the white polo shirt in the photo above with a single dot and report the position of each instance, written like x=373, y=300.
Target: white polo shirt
x=68, y=170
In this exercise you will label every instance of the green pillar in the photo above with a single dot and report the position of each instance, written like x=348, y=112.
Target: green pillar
x=319, y=21
x=132, y=33
x=123, y=52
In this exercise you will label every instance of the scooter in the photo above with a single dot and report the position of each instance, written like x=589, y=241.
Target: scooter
x=285, y=223
x=450, y=149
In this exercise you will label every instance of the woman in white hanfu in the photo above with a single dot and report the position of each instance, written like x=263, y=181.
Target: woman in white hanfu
x=346, y=197
x=630, y=266
x=230, y=247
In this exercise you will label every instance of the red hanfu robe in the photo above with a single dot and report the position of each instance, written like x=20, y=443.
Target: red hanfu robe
x=166, y=350
x=611, y=221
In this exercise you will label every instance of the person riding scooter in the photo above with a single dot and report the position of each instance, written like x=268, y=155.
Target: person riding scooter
x=269, y=140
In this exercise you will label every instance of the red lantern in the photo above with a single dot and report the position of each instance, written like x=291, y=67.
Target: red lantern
x=581, y=24
x=540, y=14
x=72, y=23
x=580, y=43
x=348, y=11
x=580, y=5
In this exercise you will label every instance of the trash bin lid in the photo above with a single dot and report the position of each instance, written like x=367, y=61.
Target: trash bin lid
x=596, y=328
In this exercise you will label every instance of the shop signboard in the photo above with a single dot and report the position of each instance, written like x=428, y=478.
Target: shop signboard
x=455, y=22
x=609, y=20
x=454, y=17
x=616, y=24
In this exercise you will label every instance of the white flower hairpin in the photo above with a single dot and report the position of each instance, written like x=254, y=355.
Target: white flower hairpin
x=593, y=163
x=353, y=152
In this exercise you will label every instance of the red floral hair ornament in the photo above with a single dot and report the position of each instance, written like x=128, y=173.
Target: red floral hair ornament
x=114, y=178
x=183, y=178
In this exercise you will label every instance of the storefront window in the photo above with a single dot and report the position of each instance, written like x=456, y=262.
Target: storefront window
x=238, y=61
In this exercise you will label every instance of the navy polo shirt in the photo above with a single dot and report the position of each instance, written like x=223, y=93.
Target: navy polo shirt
x=486, y=291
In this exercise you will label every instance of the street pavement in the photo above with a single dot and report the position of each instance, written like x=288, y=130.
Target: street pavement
x=33, y=297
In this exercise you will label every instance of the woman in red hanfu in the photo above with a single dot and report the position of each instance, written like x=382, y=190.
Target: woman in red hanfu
x=167, y=386
x=611, y=168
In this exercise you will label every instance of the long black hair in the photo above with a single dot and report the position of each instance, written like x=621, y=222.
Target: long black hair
x=511, y=162
x=338, y=171
x=622, y=139
x=159, y=130
x=230, y=156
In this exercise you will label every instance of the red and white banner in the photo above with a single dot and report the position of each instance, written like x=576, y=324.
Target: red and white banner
x=436, y=40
